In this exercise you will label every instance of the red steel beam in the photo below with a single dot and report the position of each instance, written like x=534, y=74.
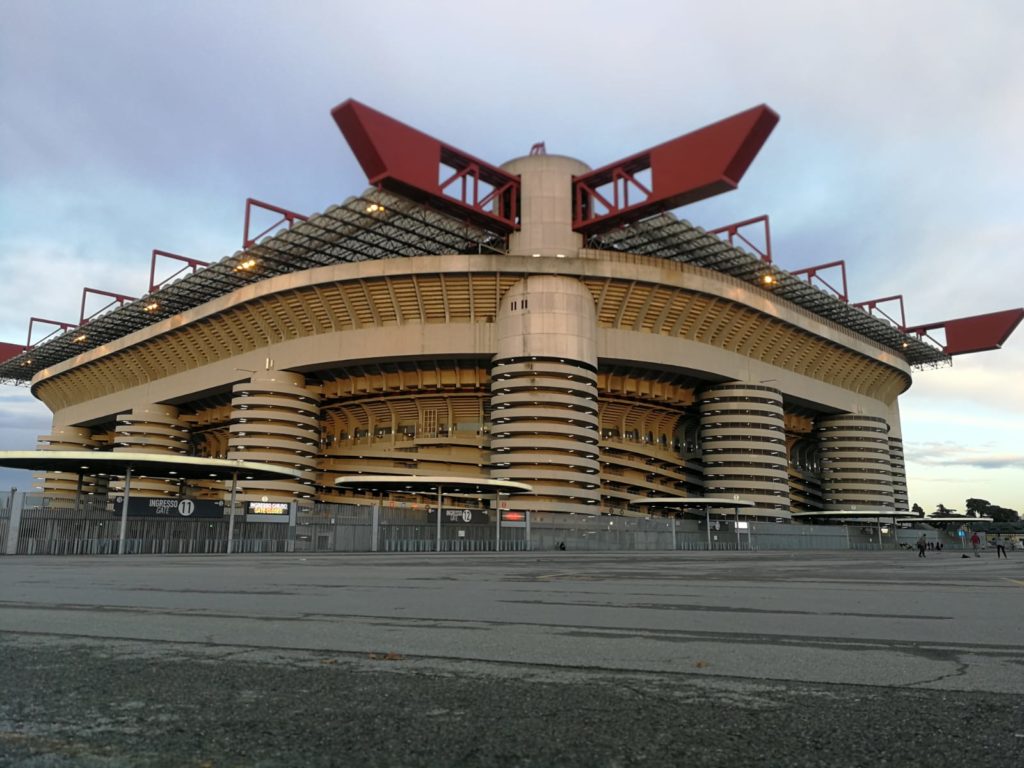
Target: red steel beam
x=400, y=158
x=813, y=273
x=978, y=333
x=871, y=307
x=32, y=321
x=732, y=232
x=115, y=298
x=9, y=351
x=286, y=216
x=692, y=167
x=192, y=264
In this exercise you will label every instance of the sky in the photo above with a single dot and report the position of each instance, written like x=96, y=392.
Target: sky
x=130, y=125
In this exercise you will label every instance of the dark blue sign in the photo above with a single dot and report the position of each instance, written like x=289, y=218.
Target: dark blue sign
x=459, y=516
x=170, y=507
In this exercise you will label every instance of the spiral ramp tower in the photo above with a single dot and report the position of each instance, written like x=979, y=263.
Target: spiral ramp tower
x=63, y=487
x=275, y=420
x=152, y=429
x=856, y=463
x=743, y=445
x=544, y=395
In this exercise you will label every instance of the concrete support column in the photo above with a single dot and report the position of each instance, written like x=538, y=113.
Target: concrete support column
x=546, y=206
x=155, y=429
x=743, y=445
x=61, y=487
x=901, y=498
x=856, y=468
x=544, y=416
x=275, y=420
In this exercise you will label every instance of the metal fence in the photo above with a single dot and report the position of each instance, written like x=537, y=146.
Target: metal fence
x=30, y=525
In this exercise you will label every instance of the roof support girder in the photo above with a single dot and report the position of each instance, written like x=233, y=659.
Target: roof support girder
x=692, y=167
x=401, y=159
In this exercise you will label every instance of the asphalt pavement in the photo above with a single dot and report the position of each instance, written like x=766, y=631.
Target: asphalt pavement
x=524, y=659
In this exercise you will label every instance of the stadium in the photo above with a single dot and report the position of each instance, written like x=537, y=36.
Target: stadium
x=538, y=321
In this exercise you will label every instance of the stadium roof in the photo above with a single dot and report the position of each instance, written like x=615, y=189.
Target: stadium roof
x=379, y=225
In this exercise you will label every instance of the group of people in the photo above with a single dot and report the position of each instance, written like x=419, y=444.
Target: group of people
x=924, y=544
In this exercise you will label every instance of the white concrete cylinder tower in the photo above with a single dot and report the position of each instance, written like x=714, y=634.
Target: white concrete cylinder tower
x=544, y=422
x=743, y=445
x=64, y=486
x=152, y=429
x=275, y=420
x=856, y=468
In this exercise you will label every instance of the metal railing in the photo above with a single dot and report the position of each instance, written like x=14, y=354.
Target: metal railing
x=53, y=528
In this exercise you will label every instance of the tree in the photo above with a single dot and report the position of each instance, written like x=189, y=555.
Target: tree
x=982, y=508
x=942, y=509
x=916, y=510
x=1003, y=515
x=977, y=507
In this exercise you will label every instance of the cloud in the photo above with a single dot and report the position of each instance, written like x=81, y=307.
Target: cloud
x=985, y=381
x=951, y=454
x=22, y=419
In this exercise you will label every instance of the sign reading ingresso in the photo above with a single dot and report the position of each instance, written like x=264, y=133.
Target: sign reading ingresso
x=266, y=508
x=460, y=516
x=169, y=506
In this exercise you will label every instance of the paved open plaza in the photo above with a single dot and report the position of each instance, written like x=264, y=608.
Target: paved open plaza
x=848, y=658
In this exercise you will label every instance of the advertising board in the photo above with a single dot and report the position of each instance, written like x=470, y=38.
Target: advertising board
x=459, y=515
x=266, y=511
x=170, y=507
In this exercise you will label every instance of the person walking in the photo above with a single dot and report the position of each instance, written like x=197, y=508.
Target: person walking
x=1000, y=547
x=922, y=544
x=975, y=543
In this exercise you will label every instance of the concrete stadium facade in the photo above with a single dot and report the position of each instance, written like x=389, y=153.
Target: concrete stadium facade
x=596, y=375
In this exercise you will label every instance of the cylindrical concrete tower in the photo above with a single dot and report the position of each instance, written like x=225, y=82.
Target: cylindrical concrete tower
x=546, y=212
x=65, y=485
x=856, y=468
x=543, y=376
x=743, y=444
x=152, y=429
x=274, y=419
x=544, y=395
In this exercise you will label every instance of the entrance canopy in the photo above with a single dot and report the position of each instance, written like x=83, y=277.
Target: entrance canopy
x=439, y=484
x=449, y=484
x=858, y=514
x=696, y=503
x=143, y=464
x=949, y=519
x=127, y=463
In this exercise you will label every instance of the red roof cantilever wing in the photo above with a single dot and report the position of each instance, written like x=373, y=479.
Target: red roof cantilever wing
x=9, y=351
x=979, y=333
x=684, y=170
x=404, y=160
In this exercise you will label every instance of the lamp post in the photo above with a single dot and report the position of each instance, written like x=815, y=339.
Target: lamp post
x=124, y=508
x=439, y=497
x=231, y=513
x=497, y=525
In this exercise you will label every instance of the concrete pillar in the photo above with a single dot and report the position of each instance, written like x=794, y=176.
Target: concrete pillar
x=14, y=522
x=275, y=420
x=856, y=467
x=63, y=487
x=743, y=445
x=152, y=429
x=544, y=416
x=546, y=214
